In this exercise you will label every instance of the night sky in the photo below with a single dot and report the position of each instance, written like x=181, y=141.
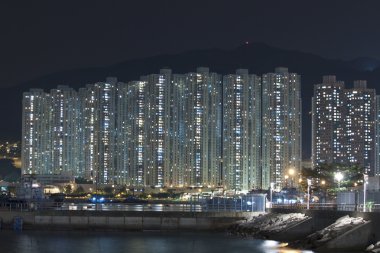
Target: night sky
x=39, y=38
x=43, y=37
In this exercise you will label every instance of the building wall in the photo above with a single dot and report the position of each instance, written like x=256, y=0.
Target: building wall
x=158, y=119
x=344, y=124
x=104, y=131
x=36, y=155
x=202, y=128
x=193, y=129
x=360, y=126
x=281, y=126
x=377, y=147
x=132, y=127
x=327, y=116
x=64, y=130
x=241, y=131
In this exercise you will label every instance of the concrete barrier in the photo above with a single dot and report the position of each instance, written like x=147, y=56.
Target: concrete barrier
x=97, y=220
x=60, y=220
x=79, y=219
x=187, y=223
x=116, y=222
x=355, y=239
x=168, y=223
x=133, y=223
x=151, y=223
x=42, y=220
x=295, y=232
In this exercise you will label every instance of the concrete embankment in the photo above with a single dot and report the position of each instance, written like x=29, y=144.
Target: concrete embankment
x=294, y=232
x=324, y=218
x=356, y=238
x=107, y=220
x=270, y=225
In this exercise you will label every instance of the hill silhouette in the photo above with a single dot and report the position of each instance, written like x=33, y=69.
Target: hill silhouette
x=258, y=58
x=8, y=171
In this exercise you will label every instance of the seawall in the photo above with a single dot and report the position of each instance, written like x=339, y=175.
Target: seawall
x=323, y=218
x=108, y=220
x=357, y=238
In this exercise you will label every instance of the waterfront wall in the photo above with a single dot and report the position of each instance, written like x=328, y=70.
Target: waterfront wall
x=357, y=238
x=323, y=218
x=69, y=220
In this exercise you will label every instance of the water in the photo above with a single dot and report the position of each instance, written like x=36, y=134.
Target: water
x=131, y=242
x=132, y=207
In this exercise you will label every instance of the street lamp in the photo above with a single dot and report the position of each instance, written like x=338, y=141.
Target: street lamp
x=323, y=183
x=271, y=192
x=338, y=177
x=365, y=177
x=286, y=180
x=291, y=172
x=308, y=193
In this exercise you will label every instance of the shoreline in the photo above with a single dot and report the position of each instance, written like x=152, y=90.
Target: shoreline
x=120, y=220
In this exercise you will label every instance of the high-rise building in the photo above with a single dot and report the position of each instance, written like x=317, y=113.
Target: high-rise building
x=95, y=131
x=377, y=126
x=202, y=128
x=86, y=139
x=36, y=142
x=328, y=141
x=64, y=131
x=104, y=130
x=168, y=129
x=174, y=130
x=132, y=126
x=50, y=131
x=177, y=131
x=360, y=126
x=344, y=124
x=241, y=131
x=158, y=118
x=281, y=127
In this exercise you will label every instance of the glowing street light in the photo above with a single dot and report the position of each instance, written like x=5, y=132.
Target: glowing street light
x=291, y=172
x=365, y=177
x=338, y=177
x=286, y=180
x=271, y=192
x=323, y=184
x=308, y=193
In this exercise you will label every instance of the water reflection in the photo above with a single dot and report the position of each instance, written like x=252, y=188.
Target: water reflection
x=276, y=247
x=131, y=207
x=132, y=242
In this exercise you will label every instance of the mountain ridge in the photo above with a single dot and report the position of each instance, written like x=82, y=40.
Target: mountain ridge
x=258, y=58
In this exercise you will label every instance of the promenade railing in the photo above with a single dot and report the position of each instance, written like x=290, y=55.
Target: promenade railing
x=196, y=204
x=330, y=206
x=218, y=204
x=41, y=206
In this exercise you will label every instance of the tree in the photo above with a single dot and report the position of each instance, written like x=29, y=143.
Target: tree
x=108, y=190
x=122, y=189
x=68, y=189
x=324, y=177
x=79, y=190
x=81, y=180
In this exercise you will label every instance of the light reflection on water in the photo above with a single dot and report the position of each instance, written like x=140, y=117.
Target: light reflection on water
x=131, y=207
x=133, y=242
